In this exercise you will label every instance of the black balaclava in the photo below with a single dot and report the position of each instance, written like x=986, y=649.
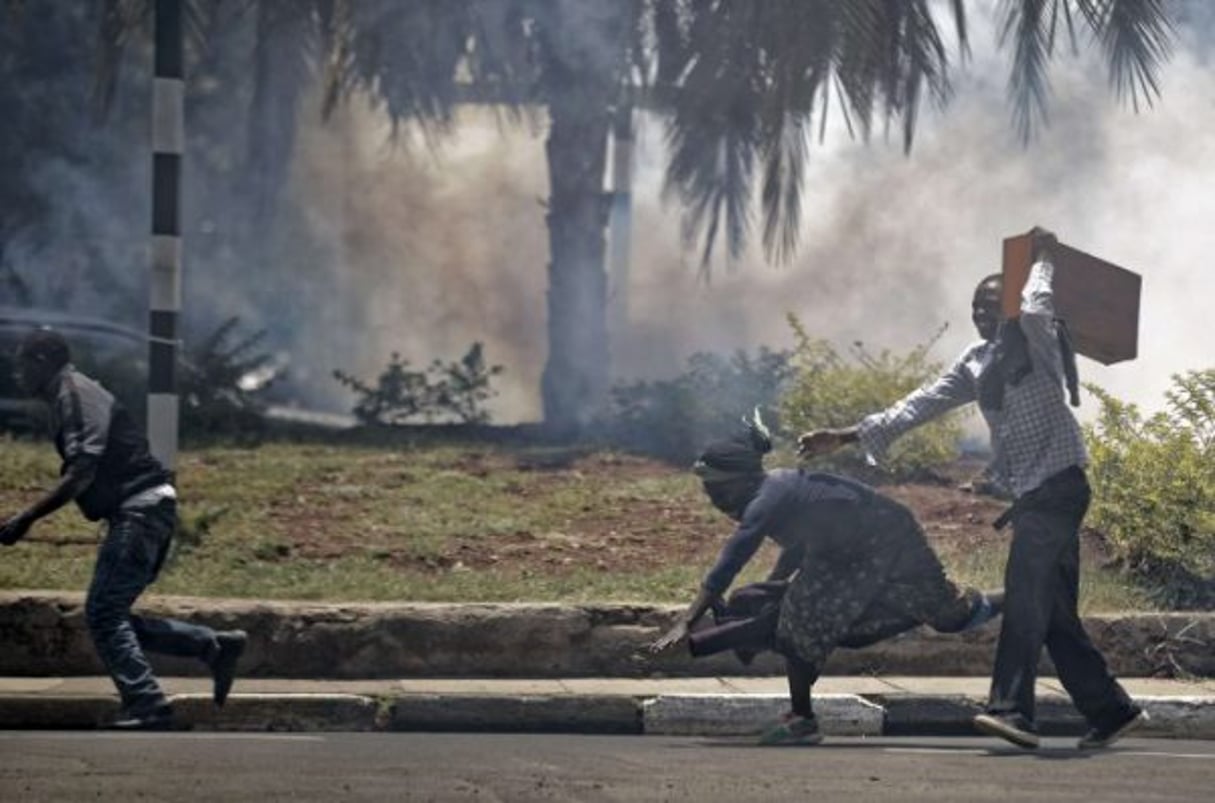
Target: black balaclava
x=40, y=355
x=732, y=470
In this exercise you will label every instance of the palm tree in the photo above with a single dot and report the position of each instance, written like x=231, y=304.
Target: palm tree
x=757, y=77
x=745, y=84
x=570, y=57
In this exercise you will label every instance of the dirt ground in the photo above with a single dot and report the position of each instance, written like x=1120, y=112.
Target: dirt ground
x=635, y=531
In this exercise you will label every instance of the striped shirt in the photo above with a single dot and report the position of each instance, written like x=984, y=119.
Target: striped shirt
x=1034, y=435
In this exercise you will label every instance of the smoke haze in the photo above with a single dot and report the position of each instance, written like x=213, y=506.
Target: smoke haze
x=380, y=245
x=892, y=245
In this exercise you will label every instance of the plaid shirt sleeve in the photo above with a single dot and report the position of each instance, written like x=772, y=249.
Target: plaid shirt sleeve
x=1037, y=434
x=1038, y=320
x=952, y=389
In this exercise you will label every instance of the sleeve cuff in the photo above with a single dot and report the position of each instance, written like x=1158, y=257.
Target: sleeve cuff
x=873, y=440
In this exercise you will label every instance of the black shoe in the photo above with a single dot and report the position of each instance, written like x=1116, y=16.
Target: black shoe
x=156, y=718
x=1104, y=737
x=1010, y=727
x=223, y=664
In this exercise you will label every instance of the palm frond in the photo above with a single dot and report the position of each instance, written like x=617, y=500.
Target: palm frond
x=925, y=67
x=405, y=55
x=779, y=61
x=1028, y=84
x=1137, y=37
x=121, y=21
x=958, y=12
x=784, y=157
x=713, y=132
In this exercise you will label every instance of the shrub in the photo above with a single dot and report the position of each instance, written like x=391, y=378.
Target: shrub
x=222, y=383
x=830, y=390
x=1154, y=488
x=674, y=419
x=453, y=391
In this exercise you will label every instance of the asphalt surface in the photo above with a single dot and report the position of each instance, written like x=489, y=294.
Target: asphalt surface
x=92, y=766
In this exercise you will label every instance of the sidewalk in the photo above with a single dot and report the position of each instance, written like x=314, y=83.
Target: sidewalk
x=852, y=705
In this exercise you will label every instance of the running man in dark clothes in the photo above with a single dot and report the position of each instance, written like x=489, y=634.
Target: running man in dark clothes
x=110, y=475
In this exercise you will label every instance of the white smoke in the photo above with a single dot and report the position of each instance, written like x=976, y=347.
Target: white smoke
x=386, y=247
x=449, y=251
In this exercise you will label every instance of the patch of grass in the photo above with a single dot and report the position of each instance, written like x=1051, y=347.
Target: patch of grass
x=452, y=522
x=1100, y=589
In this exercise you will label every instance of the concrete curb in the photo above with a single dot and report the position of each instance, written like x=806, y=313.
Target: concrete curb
x=590, y=713
x=44, y=634
x=1190, y=717
x=748, y=714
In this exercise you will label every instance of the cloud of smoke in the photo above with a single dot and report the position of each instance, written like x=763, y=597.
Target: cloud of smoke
x=380, y=247
x=441, y=252
x=431, y=251
x=893, y=245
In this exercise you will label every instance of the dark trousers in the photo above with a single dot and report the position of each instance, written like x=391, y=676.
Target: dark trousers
x=130, y=558
x=1041, y=586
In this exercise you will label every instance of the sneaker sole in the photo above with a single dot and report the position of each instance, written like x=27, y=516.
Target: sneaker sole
x=996, y=727
x=1135, y=722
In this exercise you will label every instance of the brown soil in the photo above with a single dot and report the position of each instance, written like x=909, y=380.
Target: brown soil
x=630, y=533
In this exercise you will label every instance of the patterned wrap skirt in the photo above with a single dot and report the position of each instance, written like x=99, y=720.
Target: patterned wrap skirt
x=867, y=581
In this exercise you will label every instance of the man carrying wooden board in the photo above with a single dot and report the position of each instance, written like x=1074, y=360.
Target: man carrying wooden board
x=1017, y=374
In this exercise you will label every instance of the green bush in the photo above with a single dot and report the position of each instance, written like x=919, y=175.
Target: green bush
x=1154, y=488
x=674, y=419
x=831, y=390
x=222, y=383
x=444, y=391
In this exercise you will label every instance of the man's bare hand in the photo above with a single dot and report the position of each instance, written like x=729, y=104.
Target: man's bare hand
x=823, y=441
x=669, y=639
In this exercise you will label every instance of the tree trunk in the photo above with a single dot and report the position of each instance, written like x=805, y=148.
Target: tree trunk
x=584, y=58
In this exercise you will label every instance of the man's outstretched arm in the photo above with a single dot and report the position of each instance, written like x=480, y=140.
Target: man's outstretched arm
x=875, y=433
x=76, y=479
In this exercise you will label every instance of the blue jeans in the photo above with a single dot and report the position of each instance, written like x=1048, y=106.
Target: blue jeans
x=130, y=558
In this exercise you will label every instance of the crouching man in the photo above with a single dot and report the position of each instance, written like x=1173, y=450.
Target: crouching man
x=858, y=566
x=108, y=471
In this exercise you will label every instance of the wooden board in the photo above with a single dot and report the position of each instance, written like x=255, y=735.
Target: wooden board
x=1098, y=299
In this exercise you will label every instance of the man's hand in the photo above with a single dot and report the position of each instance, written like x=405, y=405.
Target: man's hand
x=824, y=441
x=15, y=529
x=669, y=639
x=1043, y=242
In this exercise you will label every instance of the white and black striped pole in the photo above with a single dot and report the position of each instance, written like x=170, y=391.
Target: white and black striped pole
x=168, y=142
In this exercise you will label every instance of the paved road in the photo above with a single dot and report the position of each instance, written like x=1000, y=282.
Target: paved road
x=71, y=766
